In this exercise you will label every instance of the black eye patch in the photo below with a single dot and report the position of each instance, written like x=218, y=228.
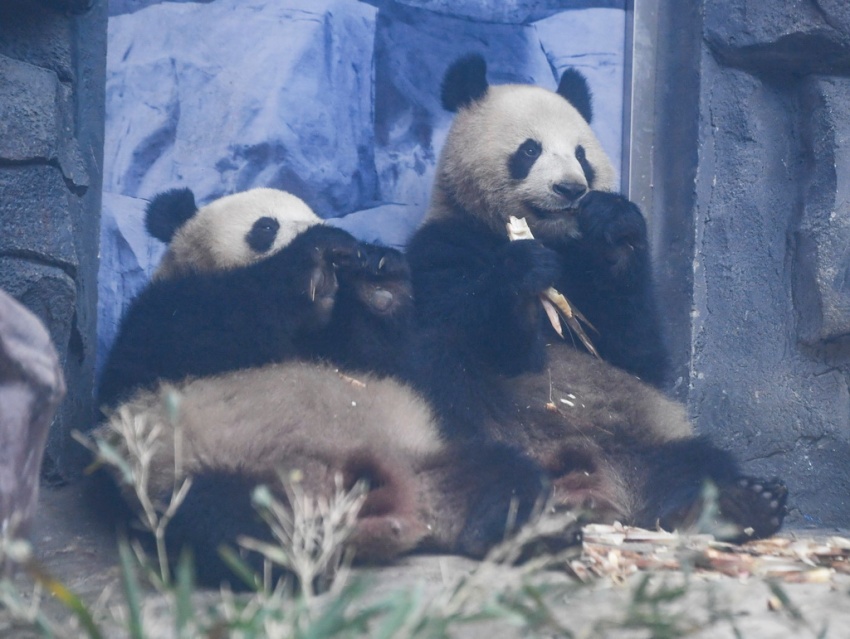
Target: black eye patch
x=521, y=160
x=589, y=173
x=262, y=234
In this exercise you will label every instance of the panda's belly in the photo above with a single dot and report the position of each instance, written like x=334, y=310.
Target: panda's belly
x=577, y=395
x=283, y=417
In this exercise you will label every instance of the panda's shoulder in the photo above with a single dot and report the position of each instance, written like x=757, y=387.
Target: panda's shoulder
x=215, y=288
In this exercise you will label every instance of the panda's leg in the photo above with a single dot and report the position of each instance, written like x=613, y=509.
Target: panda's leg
x=390, y=521
x=608, y=276
x=677, y=474
x=217, y=510
x=479, y=493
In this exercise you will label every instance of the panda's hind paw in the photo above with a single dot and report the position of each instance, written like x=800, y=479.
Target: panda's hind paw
x=756, y=506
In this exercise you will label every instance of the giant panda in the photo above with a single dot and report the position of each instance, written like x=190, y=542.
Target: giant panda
x=296, y=303
x=280, y=365
x=488, y=361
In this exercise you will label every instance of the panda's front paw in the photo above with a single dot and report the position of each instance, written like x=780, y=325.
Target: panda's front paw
x=380, y=278
x=613, y=229
x=528, y=266
x=376, y=263
x=320, y=250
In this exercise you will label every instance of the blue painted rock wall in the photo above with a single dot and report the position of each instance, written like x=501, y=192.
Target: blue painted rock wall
x=336, y=101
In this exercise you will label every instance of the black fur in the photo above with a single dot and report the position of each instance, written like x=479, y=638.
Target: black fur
x=262, y=235
x=501, y=483
x=607, y=274
x=479, y=292
x=208, y=323
x=370, y=326
x=464, y=83
x=203, y=324
x=489, y=362
x=589, y=173
x=477, y=297
x=490, y=482
x=676, y=484
x=521, y=161
x=574, y=89
x=168, y=211
x=217, y=511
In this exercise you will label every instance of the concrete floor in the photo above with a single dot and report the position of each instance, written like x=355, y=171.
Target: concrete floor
x=81, y=552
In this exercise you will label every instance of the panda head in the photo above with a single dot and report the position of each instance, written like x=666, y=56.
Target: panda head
x=231, y=231
x=518, y=150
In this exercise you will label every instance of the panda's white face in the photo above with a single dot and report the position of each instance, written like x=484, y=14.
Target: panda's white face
x=520, y=151
x=236, y=230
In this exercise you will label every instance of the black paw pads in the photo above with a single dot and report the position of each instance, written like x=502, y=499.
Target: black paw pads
x=757, y=504
x=774, y=492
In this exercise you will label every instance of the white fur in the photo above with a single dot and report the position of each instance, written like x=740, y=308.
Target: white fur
x=214, y=238
x=473, y=169
x=290, y=417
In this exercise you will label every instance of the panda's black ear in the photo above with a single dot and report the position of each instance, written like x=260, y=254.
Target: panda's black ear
x=168, y=211
x=464, y=82
x=574, y=88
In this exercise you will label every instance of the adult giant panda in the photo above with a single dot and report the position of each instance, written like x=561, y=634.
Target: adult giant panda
x=489, y=362
x=253, y=352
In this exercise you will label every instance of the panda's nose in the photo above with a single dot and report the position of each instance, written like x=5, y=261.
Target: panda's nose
x=570, y=191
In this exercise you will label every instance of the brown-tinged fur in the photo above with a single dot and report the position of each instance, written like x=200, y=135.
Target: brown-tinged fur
x=312, y=420
x=574, y=417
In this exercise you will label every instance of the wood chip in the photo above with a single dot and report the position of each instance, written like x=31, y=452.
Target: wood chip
x=615, y=551
x=351, y=380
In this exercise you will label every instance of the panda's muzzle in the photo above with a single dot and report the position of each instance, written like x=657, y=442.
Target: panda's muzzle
x=570, y=193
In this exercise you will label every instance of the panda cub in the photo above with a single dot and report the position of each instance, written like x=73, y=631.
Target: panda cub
x=487, y=359
x=246, y=351
x=296, y=303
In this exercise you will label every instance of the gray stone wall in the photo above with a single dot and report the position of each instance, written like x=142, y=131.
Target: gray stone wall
x=753, y=236
x=52, y=69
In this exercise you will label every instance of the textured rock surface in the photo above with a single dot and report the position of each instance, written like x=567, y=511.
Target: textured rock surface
x=506, y=11
x=286, y=102
x=768, y=356
x=804, y=36
x=51, y=137
x=822, y=286
x=336, y=101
